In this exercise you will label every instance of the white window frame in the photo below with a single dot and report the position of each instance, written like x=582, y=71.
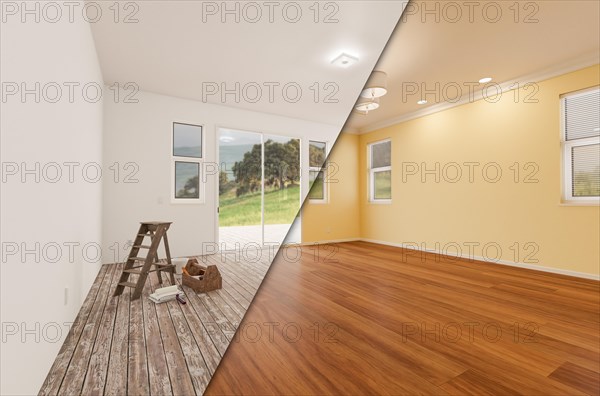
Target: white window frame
x=567, y=155
x=372, y=171
x=323, y=171
x=199, y=161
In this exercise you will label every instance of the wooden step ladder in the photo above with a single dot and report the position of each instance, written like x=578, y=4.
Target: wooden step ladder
x=156, y=231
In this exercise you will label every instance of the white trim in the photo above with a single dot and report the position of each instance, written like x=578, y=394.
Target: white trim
x=582, y=62
x=323, y=170
x=327, y=242
x=509, y=263
x=567, y=154
x=372, y=171
x=261, y=134
x=201, y=200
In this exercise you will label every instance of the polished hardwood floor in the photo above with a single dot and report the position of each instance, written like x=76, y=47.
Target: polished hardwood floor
x=358, y=318
x=121, y=347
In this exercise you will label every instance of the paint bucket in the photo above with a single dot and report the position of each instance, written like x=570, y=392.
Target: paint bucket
x=179, y=263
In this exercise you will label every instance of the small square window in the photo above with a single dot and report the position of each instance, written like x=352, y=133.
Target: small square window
x=380, y=171
x=581, y=146
x=317, y=152
x=187, y=140
x=316, y=185
x=187, y=180
x=383, y=185
x=586, y=177
x=381, y=155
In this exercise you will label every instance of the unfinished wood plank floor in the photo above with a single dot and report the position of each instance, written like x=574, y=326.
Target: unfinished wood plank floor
x=121, y=347
x=374, y=319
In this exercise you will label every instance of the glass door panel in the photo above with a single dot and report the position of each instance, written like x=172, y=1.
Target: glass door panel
x=282, y=187
x=240, y=189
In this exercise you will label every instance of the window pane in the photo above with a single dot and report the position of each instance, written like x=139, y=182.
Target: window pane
x=381, y=154
x=582, y=115
x=586, y=170
x=383, y=185
x=187, y=180
x=316, y=185
x=317, y=154
x=187, y=140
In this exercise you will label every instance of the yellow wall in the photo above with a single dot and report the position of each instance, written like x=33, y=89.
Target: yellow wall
x=499, y=214
x=520, y=218
x=339, y=218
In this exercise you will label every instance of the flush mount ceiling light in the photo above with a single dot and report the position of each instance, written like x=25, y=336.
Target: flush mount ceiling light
x=364, y=105
x=376, y=86
x=422, y=102
x=485, y=80
x=344, y=60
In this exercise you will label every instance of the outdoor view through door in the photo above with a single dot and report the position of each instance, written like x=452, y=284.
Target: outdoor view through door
x=259, y=188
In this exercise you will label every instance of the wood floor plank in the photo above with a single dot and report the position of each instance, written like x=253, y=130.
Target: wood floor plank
x=139, y=348
x=196, y=365
x=390, y=308
x=76, y=373
x=211, y=324
x=116, y=377
x=179, y=374
x=580, y=378
x=207, y=348
x=158, y=371
x=57, y=372
x=96, y=373
x=137, y=377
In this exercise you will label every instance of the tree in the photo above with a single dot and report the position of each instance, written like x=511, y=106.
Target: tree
x=247, y=172
x=281, y=166
x=190, y=189
x=224, y=183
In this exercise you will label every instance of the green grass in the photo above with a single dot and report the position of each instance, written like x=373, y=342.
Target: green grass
x=281, y=207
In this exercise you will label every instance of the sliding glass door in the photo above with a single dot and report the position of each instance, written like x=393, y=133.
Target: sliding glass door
x=240, y=188
x=282, y=187
x=259, y=188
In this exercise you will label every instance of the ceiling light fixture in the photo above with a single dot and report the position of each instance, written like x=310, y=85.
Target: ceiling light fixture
x=364, y=105
x=422, y=102
x=485, y=80
x=344, y=60
x=376, y=86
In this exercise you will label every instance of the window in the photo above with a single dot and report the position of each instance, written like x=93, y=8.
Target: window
x=187, y=160
x=380, y=171
x=581, y=146
x=317, y=152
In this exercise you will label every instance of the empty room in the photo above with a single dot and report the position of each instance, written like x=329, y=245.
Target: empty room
x=300, y=198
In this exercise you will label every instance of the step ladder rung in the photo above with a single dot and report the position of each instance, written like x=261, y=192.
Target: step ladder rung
x=128, y=284
x=137, y=258
x=134, y=270
x=157, y=231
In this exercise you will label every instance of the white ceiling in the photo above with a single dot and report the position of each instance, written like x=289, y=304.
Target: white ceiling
x=173, y=51
x=566, y=35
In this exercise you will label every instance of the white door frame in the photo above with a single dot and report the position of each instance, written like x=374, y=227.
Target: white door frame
x=262, y=134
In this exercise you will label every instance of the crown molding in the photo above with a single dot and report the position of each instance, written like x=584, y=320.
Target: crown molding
x=587, y=60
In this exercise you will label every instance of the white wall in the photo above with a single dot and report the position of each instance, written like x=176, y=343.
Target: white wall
x=141, y=133
x=35, y=317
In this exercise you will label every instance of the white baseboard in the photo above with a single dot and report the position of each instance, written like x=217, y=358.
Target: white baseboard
x=576, y=274
x=330, y=241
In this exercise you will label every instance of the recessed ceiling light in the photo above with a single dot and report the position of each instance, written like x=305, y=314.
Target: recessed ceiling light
x=485, y=80
x=422, y=102
x=344, y=60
